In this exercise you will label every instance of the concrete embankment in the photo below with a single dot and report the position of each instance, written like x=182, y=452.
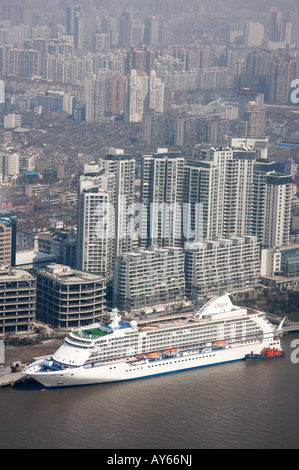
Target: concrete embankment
x=24, y=355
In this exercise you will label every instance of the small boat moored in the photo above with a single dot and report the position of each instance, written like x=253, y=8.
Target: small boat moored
x=266, y=353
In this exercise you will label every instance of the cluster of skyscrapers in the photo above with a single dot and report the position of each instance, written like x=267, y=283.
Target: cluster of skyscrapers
x=125, y=65
x=160, y=231
x=194, y=228
x=198, y=226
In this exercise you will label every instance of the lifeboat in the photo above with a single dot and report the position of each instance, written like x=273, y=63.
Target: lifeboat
x=139, y=357
x=170, y=351
x=153, y=354
x=220, y=344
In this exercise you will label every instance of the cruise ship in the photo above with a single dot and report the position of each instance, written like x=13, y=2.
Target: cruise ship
x=217, y=333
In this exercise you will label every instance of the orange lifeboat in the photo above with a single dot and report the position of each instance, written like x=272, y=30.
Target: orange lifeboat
x=153, y=354
x=170, y=351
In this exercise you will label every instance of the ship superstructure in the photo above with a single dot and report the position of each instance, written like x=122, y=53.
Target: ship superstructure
x=219, y=332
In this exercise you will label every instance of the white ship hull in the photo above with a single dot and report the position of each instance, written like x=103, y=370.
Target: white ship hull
x=136, y=369
x=219, y=332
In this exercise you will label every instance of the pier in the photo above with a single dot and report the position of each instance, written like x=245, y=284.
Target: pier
x=289, y=329
x=288, y=326
x=8, y=380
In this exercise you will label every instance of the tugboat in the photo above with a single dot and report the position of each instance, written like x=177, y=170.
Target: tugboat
x=266, y=353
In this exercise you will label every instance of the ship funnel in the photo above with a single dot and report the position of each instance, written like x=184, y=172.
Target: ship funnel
x=115, y=319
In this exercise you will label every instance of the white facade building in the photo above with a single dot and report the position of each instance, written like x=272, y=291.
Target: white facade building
x=253, y=34
x=277, y=216
x=214, y=78
x=9, y=164
x=151, y=278
x=94, y=97
x=12, y=121
x=240, y=195
x=136, y=96
x=156, y=93
x=161, y=196
x=224, y=190
x=144, y=93
x=123, y=168
x=68, y=103
x=96, y=229
x=261, y=145
x=231, y=264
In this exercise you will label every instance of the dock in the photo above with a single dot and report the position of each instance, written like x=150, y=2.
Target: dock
x=8, y=380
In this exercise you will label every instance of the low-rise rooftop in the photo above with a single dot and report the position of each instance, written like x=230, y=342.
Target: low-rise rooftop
x=67, y=275
x=8, y=274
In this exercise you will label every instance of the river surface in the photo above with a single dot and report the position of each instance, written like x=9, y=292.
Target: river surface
x=240, y=405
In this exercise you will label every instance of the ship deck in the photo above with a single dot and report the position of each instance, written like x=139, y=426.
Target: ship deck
x=151, y=324
x=177, y=320
x=92, y=333
x=164, y=322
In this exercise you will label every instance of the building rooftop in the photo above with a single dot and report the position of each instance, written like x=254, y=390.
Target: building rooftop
x=67, y=275
x=8, y=219
x=152, y=250
x=24, y=258
x=287, y=247
x=8, y=274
